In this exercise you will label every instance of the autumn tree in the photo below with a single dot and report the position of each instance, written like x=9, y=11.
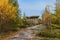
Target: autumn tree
x=56, y=15
x=45, y=17
x=8, y=16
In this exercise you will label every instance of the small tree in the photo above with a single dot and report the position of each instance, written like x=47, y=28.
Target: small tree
x=8, y=16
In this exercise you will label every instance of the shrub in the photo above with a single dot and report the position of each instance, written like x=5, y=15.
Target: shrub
x=55, y=26
x=50, y=33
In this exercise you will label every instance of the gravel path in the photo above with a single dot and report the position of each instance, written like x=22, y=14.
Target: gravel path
x=28, y=33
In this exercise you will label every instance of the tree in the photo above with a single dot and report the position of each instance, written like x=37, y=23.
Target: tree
x=53, y=18
x=8, y=16
x=13, y=2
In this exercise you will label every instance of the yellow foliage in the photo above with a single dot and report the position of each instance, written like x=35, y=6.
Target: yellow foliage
x=58, y=12
x=7, y=9
x=8, y=16
x=53, y=17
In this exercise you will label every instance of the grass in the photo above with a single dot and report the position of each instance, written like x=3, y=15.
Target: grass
x=50, y=38
x=55, y=26
x=2, y=35
x=54, y=33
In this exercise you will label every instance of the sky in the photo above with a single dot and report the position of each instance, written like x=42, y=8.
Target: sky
x=35, y=7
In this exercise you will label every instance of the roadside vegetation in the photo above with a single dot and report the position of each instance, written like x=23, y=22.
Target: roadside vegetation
x=9, y=17
x=53, y=30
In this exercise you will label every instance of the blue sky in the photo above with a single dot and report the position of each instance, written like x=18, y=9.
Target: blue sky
x=35, y=7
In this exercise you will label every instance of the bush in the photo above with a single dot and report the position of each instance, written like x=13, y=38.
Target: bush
x=22, y=26
x=50, y=33
x=55, y=26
